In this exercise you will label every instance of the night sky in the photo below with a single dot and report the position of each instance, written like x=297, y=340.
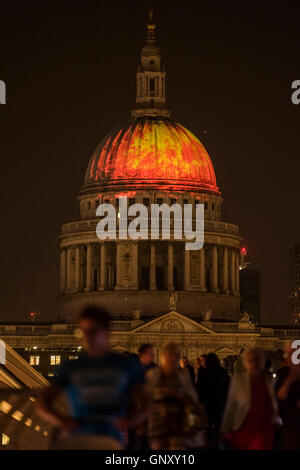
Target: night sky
x=69, y=70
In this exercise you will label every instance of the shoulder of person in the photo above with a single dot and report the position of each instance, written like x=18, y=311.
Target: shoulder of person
x=152, y=375
x=239, y=378
x=184, y=373
x=130, y=362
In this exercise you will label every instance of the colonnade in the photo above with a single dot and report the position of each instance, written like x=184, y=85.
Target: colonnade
x=222, y=268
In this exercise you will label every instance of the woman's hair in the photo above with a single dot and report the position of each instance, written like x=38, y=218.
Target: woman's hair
x=259, y=353
x=171, y=348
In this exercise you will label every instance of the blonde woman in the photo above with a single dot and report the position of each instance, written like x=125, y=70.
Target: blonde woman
x=171, y=394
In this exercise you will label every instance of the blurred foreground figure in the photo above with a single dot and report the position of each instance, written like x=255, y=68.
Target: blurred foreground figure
x=288, y=393
x=197, y=365
x=146, y=356
x=98, y=386
x=137, y=437
x=251, y=409
x=184, y=364
x=176, y=419
x=212, y=387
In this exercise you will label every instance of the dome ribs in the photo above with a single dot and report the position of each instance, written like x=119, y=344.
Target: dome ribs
x=151, y=153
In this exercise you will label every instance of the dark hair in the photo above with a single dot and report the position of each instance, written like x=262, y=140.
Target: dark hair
x=143, y=348
x=212, y=361
x=97, y=314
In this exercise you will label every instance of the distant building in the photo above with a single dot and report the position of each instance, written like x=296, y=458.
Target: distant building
x=47, y=345
x=152, y=160
x=250, y=292
x=294, y=285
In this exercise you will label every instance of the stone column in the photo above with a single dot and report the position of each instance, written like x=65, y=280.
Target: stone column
x=237, y=273
x=202, y=270
x=170, y=267
x=69, y=268
x=187, y=270
x=152, y=266
x=63, y=272
x=225, y=270
x=135, y=256
x=102, y=280
x=215, y=268
x=232, y=270
x=88, y=267
x=118, y=265
x=77, y=268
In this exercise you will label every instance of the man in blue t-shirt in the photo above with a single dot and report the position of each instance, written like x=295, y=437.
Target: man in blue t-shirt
x=98, y=385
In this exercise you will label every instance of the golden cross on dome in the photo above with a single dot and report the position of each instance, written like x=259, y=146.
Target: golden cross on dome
x=151, y=25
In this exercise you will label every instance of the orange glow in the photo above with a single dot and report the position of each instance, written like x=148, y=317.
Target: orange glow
x=154, y=153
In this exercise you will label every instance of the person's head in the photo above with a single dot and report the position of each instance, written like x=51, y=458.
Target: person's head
x=202, y=360
x=253, y=360
x=146, y=354
x=94, y=325
x=197, y=363
x=170, y=357
x=212, y=361
x=183, y=362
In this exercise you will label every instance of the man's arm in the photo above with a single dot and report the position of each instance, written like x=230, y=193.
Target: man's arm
x=49, y=413
x=293, y=375
x=139, y=395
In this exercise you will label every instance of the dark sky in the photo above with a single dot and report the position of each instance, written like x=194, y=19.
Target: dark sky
x=69, y=69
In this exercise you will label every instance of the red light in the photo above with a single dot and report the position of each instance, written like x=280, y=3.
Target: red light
x=244, y=251
x=156, y=153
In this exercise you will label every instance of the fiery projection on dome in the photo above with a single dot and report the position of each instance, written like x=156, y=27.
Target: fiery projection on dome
x=151, y=159
x=152, y=152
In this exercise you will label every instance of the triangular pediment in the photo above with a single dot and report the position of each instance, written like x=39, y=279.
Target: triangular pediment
x=117, y=348
x=225, y=351
x=173, y=323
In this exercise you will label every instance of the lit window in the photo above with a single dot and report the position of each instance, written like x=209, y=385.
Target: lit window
x=17, y=415
x=54, y=360
x=73, y=358
x=5, y=407
x=5, y=439
x=34, y=360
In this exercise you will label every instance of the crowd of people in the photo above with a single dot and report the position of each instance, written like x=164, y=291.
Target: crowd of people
x=128, y=402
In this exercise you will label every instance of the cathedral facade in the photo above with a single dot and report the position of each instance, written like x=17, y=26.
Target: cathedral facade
x=151, y=159
x=155, y=290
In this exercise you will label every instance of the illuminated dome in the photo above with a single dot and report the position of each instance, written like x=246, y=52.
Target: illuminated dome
x=154, y=153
